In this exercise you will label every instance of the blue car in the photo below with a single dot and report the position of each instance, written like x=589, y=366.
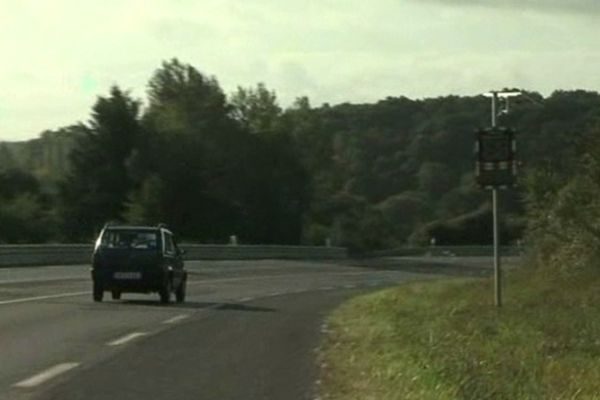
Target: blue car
x=138, y=259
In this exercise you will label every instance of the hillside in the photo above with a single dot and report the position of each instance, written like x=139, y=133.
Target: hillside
x=406, y=167
x=365, y=176
x=46, y=157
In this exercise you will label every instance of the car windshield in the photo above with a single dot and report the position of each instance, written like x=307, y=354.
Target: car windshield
x=129, y=239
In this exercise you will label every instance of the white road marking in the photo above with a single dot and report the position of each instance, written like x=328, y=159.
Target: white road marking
x=37, y=298
x=194, y=282
x=296, y=291
x=35, y=280
x=126, y=338
x=245, y=299
x=327, y=288
x=176, y=319
x=46, y=375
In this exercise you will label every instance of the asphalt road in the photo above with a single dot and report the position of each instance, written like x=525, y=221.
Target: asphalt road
x=249, y=330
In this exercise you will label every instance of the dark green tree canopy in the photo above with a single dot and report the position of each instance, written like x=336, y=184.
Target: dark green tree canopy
x=98, y=183
x=361, y=175
x=256, y=109
x=182, y=100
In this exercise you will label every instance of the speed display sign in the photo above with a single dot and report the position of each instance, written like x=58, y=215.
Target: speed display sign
x=496, y=165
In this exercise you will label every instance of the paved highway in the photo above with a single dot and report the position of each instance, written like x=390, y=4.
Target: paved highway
x=249, y=330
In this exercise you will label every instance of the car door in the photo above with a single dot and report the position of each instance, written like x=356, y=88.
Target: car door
x=170, y=256
x=179, y=258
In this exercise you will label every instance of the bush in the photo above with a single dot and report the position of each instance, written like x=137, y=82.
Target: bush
x=472, y=228
x=564, y=212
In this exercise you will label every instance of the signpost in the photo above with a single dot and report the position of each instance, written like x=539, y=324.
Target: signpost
x=496, y=168
x=496, y=163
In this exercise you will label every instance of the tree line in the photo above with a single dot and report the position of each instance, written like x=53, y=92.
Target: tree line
x=211, y=165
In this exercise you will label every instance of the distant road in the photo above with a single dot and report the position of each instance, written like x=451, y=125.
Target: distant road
x=248, y=331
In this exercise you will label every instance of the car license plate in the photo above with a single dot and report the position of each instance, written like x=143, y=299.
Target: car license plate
x=127, y=275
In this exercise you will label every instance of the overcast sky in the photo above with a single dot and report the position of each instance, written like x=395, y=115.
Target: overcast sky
x=58, y=55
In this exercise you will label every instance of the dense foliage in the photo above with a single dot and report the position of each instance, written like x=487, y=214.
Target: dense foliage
x=362, y=175
x=563, y=209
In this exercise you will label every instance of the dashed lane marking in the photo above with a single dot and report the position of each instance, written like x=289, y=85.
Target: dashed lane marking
x=126, y=338
x=296, y=291
x=176, y=319
x=46, y=375
x=37, y=298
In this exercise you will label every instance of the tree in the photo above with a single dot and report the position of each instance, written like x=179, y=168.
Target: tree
x=146, y=206
x=562, y=208
x=404, y=212
x=96, y=189
x=24, y=219
x=197, y=151
x=7, y=159
x=25, y=216
x=277, y=196
x=435, y=179
x=14, y=182
x=256, y=109
x=184, y=101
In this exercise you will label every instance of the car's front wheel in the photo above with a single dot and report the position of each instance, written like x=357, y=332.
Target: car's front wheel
x=98, y=292
x=116, y=294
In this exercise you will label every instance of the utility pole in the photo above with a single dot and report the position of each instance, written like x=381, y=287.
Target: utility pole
x=496, y=168
x=497, y=269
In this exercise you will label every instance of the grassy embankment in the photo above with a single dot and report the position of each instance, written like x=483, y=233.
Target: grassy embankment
x=444, y=340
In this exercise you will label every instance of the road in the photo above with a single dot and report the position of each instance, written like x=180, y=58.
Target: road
x=249, y=330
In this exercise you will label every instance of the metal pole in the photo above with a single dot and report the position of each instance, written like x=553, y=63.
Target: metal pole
x=497, y=270
x=494, y=112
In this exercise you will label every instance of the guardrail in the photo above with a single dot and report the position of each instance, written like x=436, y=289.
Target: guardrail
x=61, y=254
x=465, y=251
x=249, y=252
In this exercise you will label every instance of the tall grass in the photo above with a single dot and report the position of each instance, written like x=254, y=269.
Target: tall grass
x=445, y=340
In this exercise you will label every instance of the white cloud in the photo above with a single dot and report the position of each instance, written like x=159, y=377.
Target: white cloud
x=546, y=6
x=57, y=56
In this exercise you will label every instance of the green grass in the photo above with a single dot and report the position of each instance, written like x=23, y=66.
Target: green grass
x=445, y=340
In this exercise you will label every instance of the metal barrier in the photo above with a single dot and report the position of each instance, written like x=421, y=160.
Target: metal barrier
x=62, y=254
x=464, y=251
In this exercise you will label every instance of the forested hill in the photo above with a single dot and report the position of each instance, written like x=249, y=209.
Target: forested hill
x=210, y=165
x=46, y=157
x=406, y=167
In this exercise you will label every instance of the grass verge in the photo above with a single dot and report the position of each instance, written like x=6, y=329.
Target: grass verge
x=444, y=340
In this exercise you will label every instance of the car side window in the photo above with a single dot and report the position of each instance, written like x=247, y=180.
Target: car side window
x=175, y=246
x=169, y=245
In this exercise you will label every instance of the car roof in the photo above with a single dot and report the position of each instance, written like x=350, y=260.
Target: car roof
x=136, y=228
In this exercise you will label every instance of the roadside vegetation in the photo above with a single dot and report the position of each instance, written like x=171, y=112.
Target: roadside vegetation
x=446, y=340
x=212, y=164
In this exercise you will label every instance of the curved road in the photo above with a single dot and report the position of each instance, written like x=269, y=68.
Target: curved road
x=249, y=330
